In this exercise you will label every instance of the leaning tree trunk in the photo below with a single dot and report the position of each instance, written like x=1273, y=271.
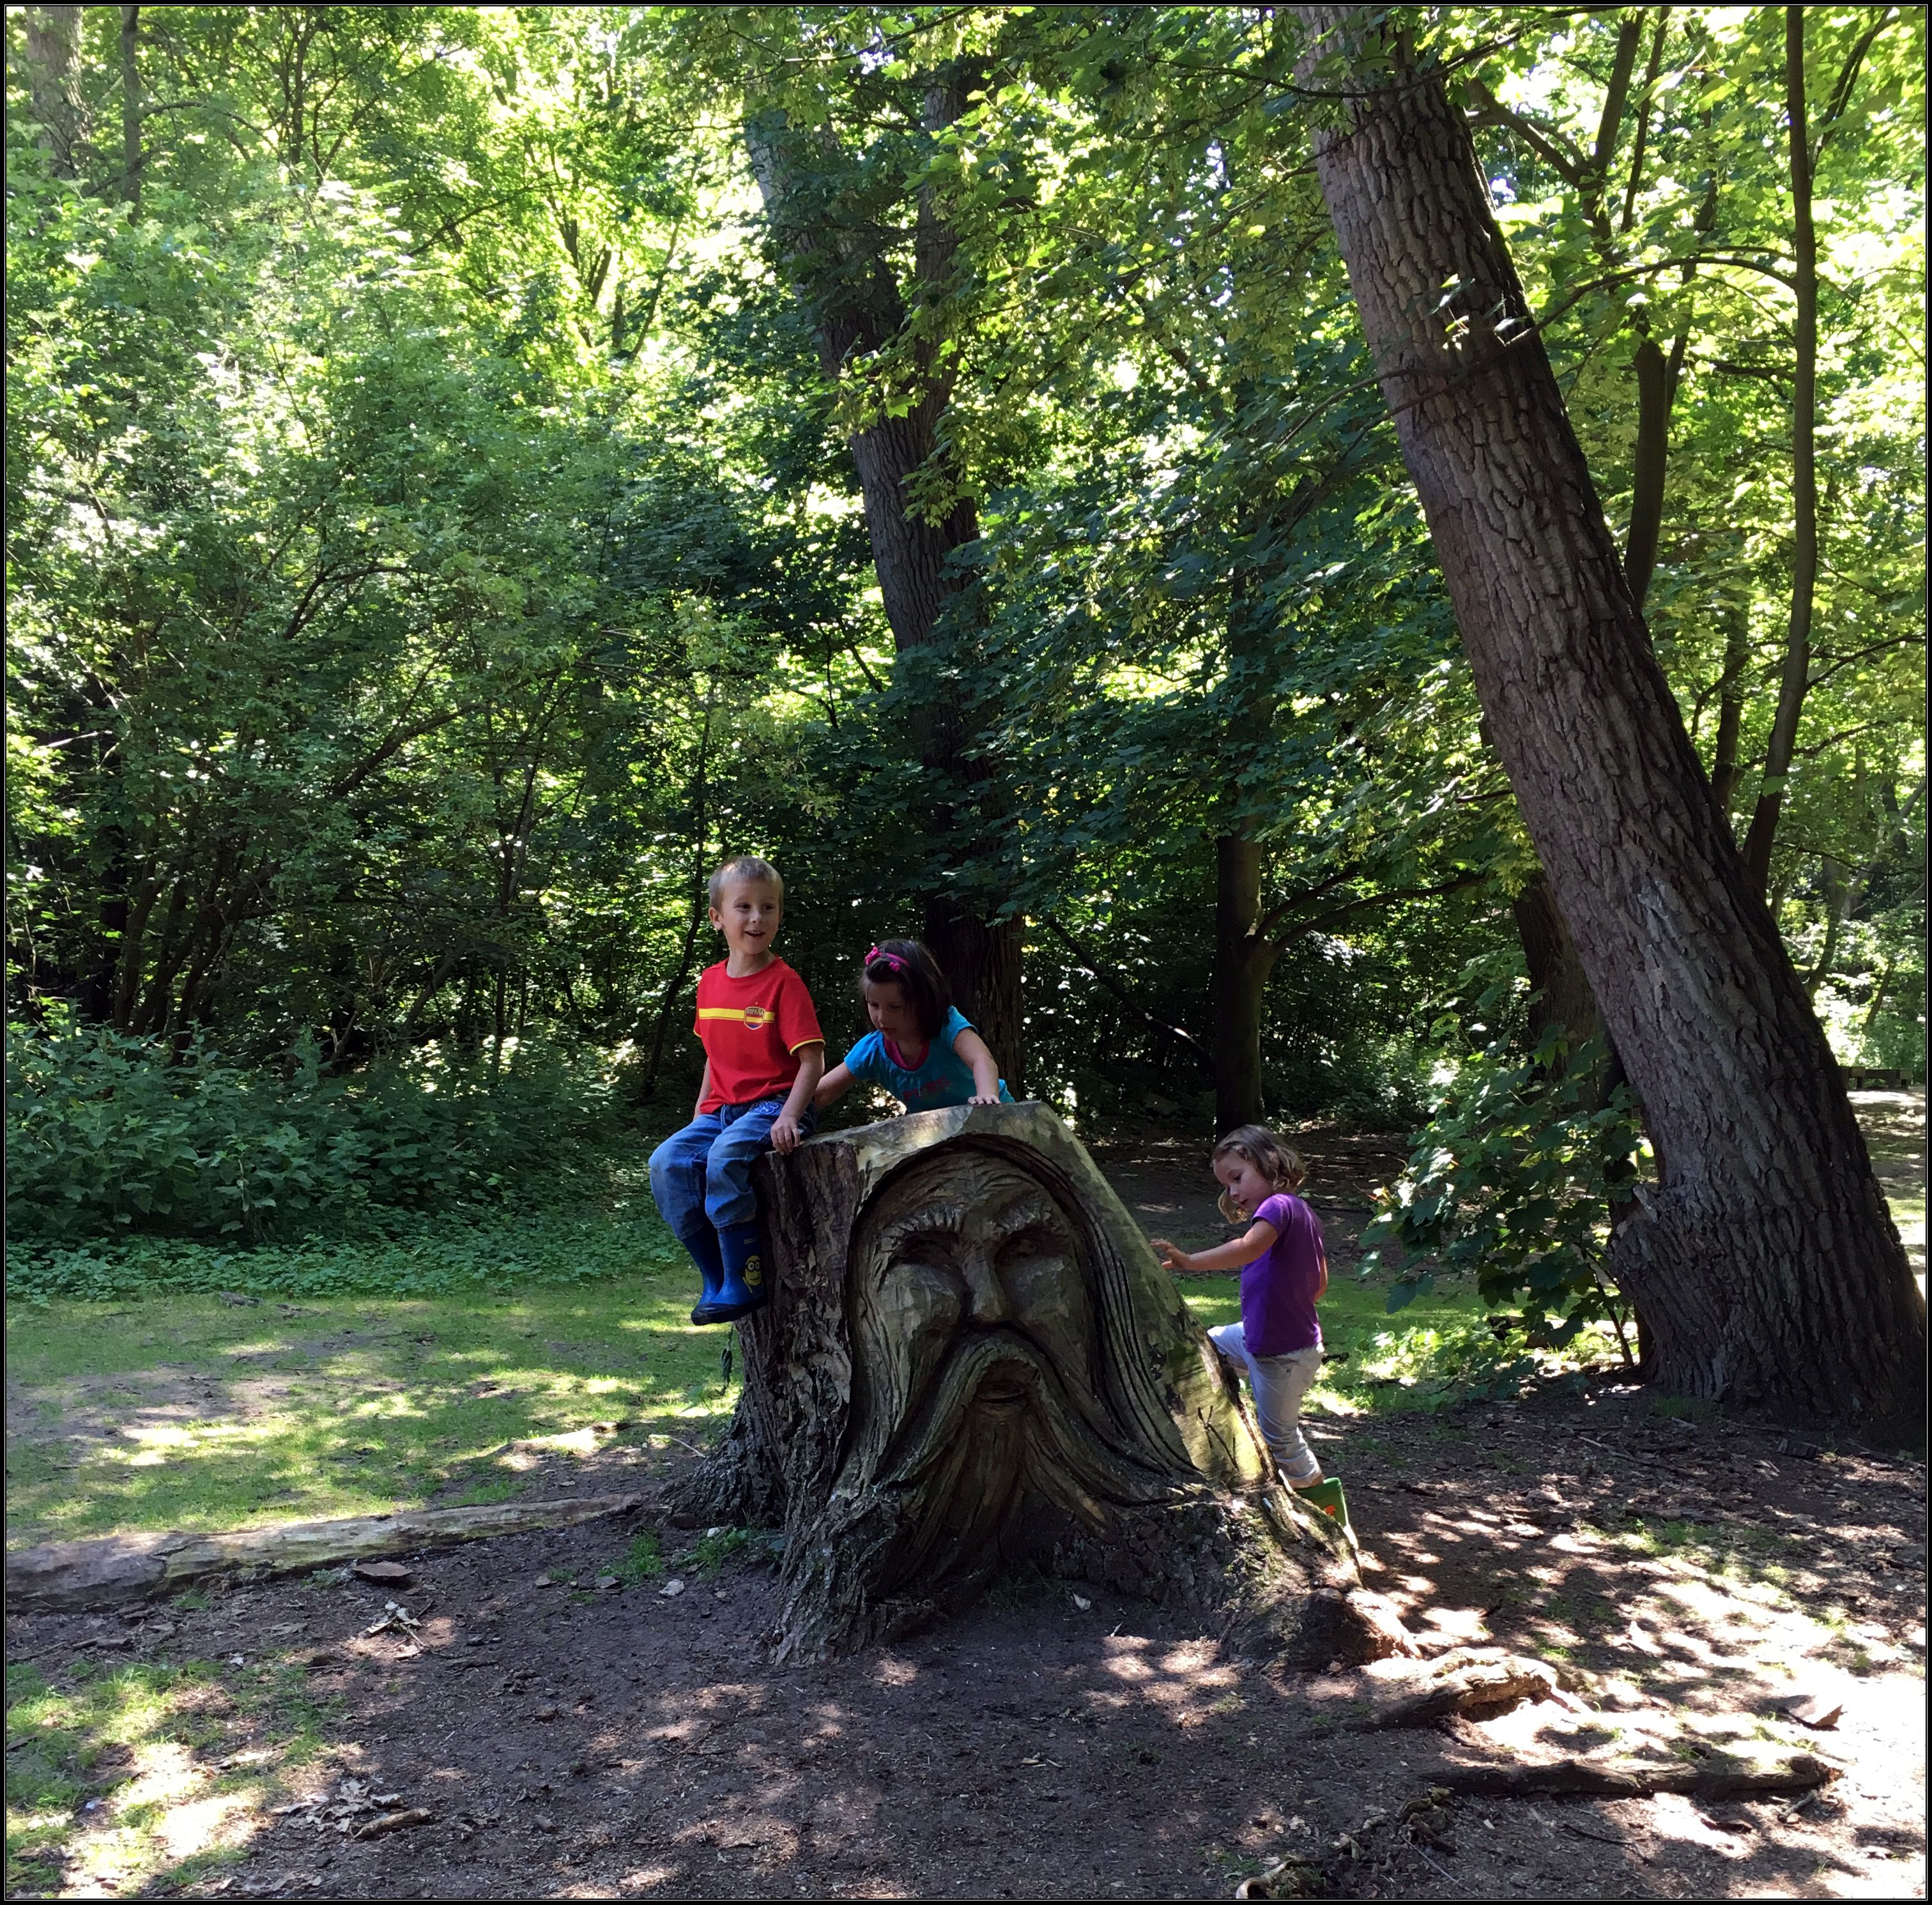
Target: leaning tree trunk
x=1766, y=1267
x=971, y=1362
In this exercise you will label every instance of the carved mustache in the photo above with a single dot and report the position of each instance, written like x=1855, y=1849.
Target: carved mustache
x=1062, y=1456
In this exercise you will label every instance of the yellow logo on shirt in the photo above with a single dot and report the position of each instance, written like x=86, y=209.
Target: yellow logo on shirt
x=756, y=1017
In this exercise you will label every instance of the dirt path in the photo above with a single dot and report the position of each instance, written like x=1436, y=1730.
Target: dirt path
x=567, y=1742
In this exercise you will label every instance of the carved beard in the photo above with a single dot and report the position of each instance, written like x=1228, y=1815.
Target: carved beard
x=976, y=1383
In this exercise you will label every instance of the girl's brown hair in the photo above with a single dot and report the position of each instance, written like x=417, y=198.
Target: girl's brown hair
x=1276, y=1162
x=908, y=965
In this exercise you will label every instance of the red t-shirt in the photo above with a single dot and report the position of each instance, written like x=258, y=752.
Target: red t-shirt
x=751, y=1029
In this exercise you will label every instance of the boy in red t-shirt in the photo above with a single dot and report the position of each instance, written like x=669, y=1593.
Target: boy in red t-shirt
x=763, y=1057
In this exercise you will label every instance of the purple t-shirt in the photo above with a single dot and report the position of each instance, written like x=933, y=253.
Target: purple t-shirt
x=1278, y=1288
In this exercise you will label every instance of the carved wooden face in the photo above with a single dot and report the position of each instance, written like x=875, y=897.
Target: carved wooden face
x=977, y=1350
x=965, y=1246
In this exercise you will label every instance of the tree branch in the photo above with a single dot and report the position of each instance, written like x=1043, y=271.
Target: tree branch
x=1109, y=983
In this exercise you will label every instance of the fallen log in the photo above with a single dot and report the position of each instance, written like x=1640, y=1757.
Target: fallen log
x=65, y=1576
x=1579, y=1779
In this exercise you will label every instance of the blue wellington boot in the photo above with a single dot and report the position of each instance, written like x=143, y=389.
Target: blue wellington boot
x=710, y=1262
x=745, y=1286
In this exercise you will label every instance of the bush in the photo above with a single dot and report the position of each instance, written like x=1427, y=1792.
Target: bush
x=108, y=1134
x=1512, y=1181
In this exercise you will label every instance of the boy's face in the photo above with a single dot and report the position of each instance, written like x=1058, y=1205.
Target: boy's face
x=748, y=913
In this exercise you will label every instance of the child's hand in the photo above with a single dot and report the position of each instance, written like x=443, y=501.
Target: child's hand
x=989, y=1098
x=785, y=1134
x=1172, y=1257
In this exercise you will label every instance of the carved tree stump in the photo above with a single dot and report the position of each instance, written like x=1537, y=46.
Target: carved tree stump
x=971, y=1360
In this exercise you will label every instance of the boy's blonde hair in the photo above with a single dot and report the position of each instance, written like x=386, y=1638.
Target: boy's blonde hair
x=746, y=868
x=1279, y=1164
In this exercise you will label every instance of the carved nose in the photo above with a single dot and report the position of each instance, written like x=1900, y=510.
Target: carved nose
x=985, y=1299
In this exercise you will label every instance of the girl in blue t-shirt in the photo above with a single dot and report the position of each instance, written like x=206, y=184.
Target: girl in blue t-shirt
x=920, y=1048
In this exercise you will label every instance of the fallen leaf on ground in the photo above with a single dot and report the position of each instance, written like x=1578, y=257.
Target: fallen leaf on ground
x=1818, y=1711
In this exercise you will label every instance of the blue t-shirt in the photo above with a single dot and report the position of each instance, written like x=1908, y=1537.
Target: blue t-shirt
x=943, y=1077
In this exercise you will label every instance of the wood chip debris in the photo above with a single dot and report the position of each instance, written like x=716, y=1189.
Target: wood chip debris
x=354, y=1811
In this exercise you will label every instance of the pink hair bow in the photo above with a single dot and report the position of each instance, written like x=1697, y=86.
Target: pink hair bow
x=876, y=957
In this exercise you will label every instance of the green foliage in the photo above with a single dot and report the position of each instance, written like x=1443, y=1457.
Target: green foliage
x=642, y=1561
x=1512, y=1184
x=433, y=536
x=717, y=1548
x=109, y=1135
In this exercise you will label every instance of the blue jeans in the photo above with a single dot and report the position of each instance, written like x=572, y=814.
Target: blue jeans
x=702, y=1173
x=1278, y=1383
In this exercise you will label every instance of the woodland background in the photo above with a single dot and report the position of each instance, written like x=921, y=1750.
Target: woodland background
x=436, y=537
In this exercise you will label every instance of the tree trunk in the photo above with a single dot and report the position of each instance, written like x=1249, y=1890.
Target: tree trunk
x=1730, y=707
x=130, y=106
x=971, y=1362
x=1766, y=1267
x=1648, y=465
x=1797, y=675
x=52, y=41
x=857, y=310
x=1244, y=957
x=1559, y=992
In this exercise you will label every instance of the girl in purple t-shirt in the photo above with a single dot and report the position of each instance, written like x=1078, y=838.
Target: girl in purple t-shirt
x=1284, y=1272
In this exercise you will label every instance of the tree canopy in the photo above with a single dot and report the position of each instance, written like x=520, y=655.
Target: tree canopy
x=440, y=526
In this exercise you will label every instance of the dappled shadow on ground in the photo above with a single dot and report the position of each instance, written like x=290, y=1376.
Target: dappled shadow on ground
x=1691, y=1580
x=568, y=1740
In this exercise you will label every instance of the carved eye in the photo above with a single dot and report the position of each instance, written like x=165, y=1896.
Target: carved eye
x=920, y=1286
x=1037, y=1269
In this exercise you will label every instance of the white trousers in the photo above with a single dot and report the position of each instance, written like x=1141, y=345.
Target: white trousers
x=1278, y=1384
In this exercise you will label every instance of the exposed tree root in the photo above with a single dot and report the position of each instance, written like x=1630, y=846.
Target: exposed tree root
x=1578, y=1779
x=1480, y=1687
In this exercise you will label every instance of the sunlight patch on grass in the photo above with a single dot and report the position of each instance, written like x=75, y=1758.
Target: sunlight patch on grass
x=1437, y=1351
x=187, y=1413
x=111, y=1785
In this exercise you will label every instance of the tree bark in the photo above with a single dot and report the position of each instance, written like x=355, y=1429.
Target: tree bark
x=1796, y=677
x=1244, y=957
x=130, y=106
x=858, y=311
x=52, y=41
x=1559, y=990
x=1766, y=1267
x=1730, y=707
x=970, y=1361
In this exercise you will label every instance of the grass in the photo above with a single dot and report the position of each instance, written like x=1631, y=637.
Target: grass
x=1437, y=1351
x=197, y=1412
x=116, y=1777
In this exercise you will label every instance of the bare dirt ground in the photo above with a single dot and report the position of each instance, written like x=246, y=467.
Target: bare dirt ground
x=530, y=1734
x=562, y=1741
